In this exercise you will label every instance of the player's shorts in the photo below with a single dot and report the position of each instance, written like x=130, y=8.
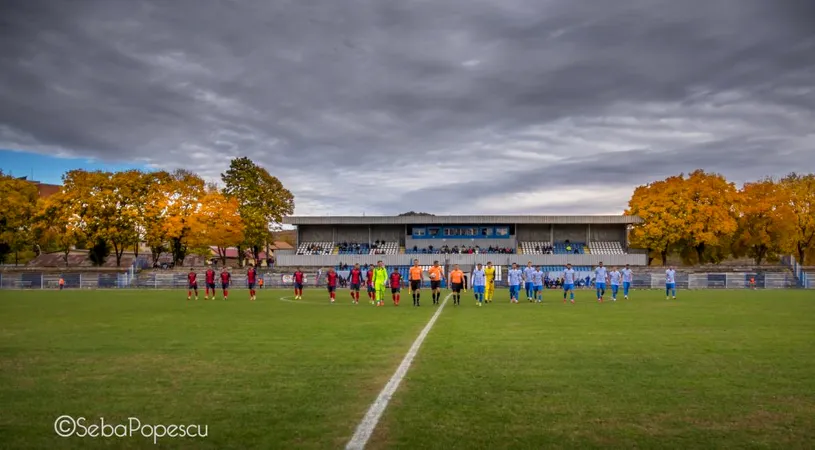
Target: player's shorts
x=670, y=285
x=615, y=286
x=355, y=286
x=396, y=290
x=626, y=284
x=251, y=285
x=415, y=285
x=600, y=285
x=538, y=287
x=371, y=288
x=194, y=285
x=457, y=287
x=514, y=290
x=211, y=285
x=568, y=287
x=479, y=289
x=435, y=284
x=331, y=288
x=298, y=285
x=224, y=285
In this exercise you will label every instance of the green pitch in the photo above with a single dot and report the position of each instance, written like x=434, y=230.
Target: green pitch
x=714, y=369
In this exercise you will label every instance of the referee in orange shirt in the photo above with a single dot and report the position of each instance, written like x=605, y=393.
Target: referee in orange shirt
x=415, y=279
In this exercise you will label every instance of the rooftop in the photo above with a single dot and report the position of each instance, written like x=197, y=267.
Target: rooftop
x=461, y=220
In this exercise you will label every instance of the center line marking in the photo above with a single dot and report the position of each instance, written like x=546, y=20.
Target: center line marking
x=366, y=428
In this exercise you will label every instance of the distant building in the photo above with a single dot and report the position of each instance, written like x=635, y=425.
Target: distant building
x=45, y=190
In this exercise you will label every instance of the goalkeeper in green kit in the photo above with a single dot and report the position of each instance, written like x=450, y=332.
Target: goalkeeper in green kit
x=380, y=278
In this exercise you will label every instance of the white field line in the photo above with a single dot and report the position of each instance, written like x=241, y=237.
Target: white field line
x=366, y=427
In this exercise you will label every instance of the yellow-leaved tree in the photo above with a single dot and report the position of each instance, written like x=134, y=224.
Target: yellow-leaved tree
x=710, y=202
x=800, y=190
x=766, y=222
x=221, y=222
x=662, y=207
x=18, y=207
x=56, y=225
x=177, y=204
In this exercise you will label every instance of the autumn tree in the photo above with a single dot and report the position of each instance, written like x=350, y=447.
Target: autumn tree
x=177, y=203
x=800, y=191
x=263, y=201
x=765, y=221
x=18, y=207
x=709, y=201
x=661, y=205
x=55, y=225
x=221, y=222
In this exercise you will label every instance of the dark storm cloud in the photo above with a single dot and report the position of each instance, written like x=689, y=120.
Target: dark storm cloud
x=422, y=102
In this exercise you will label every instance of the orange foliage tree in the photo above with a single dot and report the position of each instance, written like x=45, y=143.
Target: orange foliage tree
x=174, y=206
x=662, y=207
x=710, y=202
x=800, y=191
x=220, y=221
x=765, y=223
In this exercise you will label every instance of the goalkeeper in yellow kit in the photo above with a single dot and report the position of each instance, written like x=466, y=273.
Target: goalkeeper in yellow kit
x=489, y=274
x=380, y=278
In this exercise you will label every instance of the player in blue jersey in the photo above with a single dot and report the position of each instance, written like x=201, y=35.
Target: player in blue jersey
x=479, y=283
x=628, y=278
x=600, y=276
x=528, y=284
x=670, y=282
x=537, y=284
x=615, y=278
x=514, y=278
x=568, y=282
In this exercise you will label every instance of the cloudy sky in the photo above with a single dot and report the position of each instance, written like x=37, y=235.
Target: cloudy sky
x=445, y=106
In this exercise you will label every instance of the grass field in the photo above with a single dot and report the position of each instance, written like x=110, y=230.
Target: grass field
x=714, y=369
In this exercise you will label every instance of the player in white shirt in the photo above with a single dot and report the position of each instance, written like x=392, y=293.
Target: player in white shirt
x=515, y=278
x=528, y=283
x=628, y=279
x=600, y=274
x=479, y=283
x=615, y=277
x=568, y=282
x=670, y=282
x=537, y=284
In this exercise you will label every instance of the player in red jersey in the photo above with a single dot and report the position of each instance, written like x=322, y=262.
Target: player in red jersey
x=299, y=280
x=226, y=277
x=251, y=279
x=355, y=280
x=331, y=283
x=396, y=286
x=192, y=278
x=210, y=280
x=370, y=281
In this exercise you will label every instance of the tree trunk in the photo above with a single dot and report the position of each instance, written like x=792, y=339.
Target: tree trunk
x=118, y=252
x=222, y=255
x=136, y=250
x=802, y=254
x=240, y=255
x=155, y=253
x=700, y=253
x=664, y=255
x=65, y=255
x=760, y=252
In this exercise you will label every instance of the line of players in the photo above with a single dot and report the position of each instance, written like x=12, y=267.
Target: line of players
x=252, y=280
x=378, y=280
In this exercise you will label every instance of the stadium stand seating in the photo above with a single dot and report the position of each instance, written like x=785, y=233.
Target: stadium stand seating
x=456, y=250
x=606, y=248
x=377, y=248
x=315, y=248
x=568, y=248
x=385, y=248
x=536, y=248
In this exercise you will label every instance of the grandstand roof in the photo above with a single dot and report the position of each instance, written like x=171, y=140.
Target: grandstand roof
x=449, y=220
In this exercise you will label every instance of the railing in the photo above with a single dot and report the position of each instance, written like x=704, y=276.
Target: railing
x=461, y=259
x=798, y=270
x=171, y=280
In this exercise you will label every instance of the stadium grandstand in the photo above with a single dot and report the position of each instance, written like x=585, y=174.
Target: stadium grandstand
x=549, y=241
